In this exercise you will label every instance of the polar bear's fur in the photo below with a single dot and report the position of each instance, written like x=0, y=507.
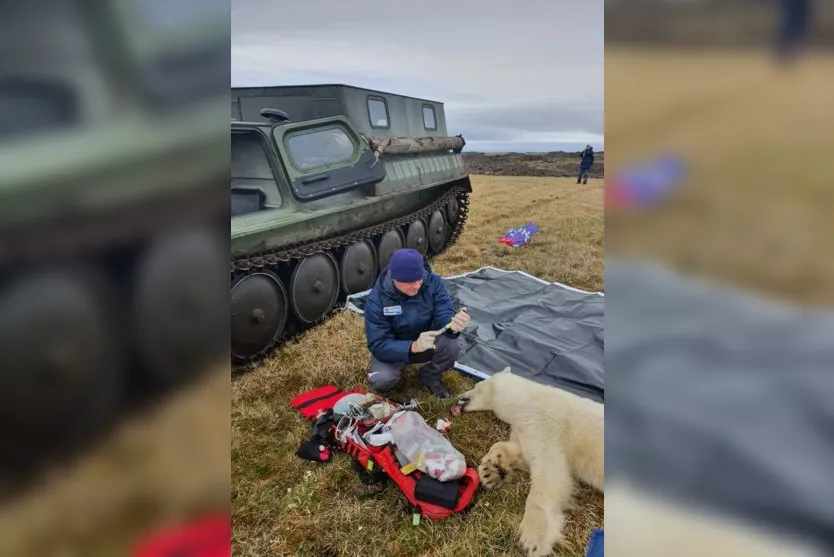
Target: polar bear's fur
x=554, y=435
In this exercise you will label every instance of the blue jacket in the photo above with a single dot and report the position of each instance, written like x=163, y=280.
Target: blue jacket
x=587, y=159
x=390, y=336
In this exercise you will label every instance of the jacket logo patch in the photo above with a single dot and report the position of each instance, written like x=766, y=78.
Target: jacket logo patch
x=392, y=310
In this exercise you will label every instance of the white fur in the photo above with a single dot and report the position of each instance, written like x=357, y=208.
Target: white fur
x=558, y=434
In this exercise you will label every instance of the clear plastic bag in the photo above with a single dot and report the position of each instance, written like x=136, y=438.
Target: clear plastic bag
x=426, y=447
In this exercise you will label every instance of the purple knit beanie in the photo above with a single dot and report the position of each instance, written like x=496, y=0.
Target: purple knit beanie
x=407, y=265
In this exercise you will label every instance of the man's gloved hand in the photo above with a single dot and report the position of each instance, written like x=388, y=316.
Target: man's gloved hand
x=424, y=342
x=459, y=321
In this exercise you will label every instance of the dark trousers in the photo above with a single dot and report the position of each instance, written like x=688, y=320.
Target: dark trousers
x=583, y=175
x=384, y=376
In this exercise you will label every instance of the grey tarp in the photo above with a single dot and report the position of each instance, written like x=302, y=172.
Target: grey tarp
x=720, y=399
x=548, y=332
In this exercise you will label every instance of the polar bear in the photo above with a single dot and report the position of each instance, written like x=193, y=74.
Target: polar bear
x=554, y=435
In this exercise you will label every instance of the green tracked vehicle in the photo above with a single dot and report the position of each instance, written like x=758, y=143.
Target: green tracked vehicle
x=113, y=211
x=327, y=182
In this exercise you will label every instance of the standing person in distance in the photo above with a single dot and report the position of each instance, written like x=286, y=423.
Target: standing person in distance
x=585, y=164
x=404, y=314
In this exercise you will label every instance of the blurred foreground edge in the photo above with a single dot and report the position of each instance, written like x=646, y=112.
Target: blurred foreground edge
x=113, y=215
x=782, y=25
x=209, y=536
x=721, y=408
x=641, y=524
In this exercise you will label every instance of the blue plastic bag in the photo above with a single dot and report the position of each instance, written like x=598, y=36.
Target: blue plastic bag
x=642, y=185
x=517, y=237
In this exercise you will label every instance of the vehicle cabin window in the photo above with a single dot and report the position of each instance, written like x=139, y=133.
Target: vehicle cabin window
x=378, y=112
x=254, y=187
x=249, y=160
x=321, y=147
x=429, y=120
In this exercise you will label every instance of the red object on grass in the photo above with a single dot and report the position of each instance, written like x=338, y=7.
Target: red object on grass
x=208, y=537
x=312, y=403
x=383, y=457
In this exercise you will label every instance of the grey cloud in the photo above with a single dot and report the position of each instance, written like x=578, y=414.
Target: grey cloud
x=423, y=18
x=502, y=123
x=506, y=71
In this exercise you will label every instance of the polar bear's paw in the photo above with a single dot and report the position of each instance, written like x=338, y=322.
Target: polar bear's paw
x=535, y=535
x=503, y=457
x=492, y=475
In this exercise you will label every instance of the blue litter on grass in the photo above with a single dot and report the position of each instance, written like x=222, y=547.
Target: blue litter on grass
x=517, y=237
x=642, y=185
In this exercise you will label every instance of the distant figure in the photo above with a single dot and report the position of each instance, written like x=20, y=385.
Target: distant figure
x=794, y=23
x=587, y=156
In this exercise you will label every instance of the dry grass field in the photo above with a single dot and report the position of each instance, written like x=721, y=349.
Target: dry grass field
x=283, y=505
x=164, y=465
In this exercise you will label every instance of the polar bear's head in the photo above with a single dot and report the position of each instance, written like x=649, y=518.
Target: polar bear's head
x=480, y=397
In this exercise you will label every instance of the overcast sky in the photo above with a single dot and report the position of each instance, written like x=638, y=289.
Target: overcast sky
x=523, y=75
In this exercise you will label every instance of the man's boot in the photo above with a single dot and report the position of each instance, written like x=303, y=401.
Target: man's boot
x=436, y=388
x=431, y=381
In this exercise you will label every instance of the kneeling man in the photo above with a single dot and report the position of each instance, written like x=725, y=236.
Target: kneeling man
x=404, y=314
